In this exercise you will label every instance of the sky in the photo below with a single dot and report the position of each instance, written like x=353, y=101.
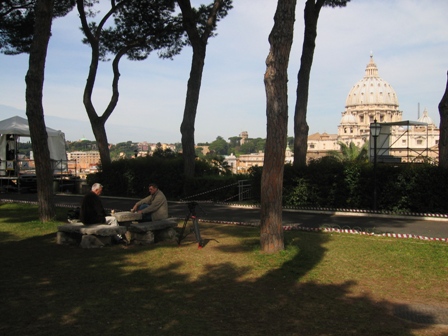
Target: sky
x=407, y=38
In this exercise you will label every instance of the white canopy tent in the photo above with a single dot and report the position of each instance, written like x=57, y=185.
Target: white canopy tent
x=18, y=127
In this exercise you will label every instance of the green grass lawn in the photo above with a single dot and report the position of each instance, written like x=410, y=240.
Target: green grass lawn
x=321, y=284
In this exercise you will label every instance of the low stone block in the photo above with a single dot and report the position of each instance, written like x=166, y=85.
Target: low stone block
x=127, y=216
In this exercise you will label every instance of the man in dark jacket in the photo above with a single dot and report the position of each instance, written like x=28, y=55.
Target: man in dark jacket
x=92, y=211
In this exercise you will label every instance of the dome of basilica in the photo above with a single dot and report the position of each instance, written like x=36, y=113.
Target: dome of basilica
x=426, y=119
x=372, y=90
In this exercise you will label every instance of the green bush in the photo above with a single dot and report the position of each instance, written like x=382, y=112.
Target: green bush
x=324, y=183
x=329, y=183
x=130, y=178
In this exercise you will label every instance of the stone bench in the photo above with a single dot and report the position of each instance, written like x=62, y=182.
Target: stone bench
x=150, y=232
x=88, y=236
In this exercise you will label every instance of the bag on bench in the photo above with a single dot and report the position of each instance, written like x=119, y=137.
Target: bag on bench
x=73, y=215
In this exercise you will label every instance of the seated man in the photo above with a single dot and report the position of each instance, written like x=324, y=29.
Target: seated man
x=154, y=207
x=92, y=211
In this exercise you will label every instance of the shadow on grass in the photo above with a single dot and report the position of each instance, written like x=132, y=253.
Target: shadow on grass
x=59, y=290
x=9, y=214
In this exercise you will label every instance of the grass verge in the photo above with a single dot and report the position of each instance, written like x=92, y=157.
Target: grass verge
x=321, y=284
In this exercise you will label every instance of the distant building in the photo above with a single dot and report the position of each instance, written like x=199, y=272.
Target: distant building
x=164, y=146
x=370, y=99
x=320, y=144
x=83, y=162
x=205, y=149
x=143, y=146
x=87, y=162
x=243, y=163
x=244, y=136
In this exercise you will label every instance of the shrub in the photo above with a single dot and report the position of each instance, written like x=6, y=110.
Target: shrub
x=326, y=182
x=330, y=183
x=130, y=178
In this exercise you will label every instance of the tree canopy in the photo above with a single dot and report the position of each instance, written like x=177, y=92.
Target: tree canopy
x=139, y=28
x=219, y=146
x=17, y=23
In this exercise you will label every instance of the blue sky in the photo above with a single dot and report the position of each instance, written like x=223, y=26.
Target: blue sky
x=408, y=39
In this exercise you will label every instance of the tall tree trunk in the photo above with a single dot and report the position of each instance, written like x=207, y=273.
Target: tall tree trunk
x=98, y=122
x=311, y=16
x=199, y=44
x=99, y=131
x=34, y=109
x=276, y=84
x=191, y=105
x=443, y=142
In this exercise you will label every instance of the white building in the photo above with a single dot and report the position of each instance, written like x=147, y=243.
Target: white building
x=373, y=99
x=84, y=163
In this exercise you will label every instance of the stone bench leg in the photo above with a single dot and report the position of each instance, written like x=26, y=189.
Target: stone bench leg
x=140, y=238
x=94, y=241
x=63, y=238
x=168, y=234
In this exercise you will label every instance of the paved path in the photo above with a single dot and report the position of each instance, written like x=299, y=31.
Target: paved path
x=401, y=225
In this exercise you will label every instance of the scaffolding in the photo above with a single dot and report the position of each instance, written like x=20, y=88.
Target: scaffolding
x=405, y=142
x=20, y=176
x=18, y=172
